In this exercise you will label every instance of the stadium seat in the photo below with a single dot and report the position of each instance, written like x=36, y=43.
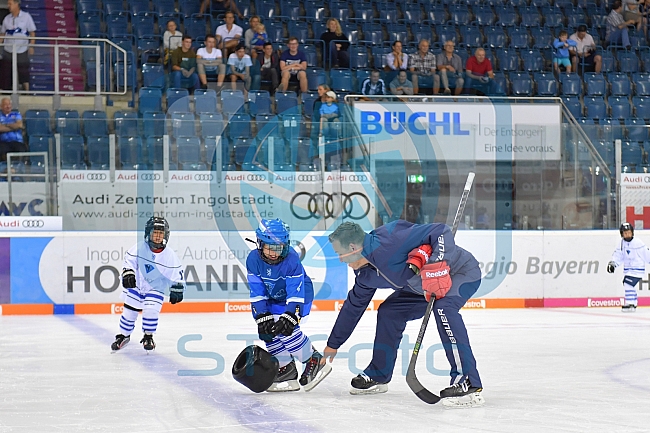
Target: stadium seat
x=589, y=127
x=573, y=104
x=183, y=124
x=571, y=84
x=259, y=102
x=212, y=145
x=72, y=152
x=37, y=122
x=446, y=33
x=293, y=126
x=608, y=63
x=267, y=125
x=530, y=16
x=508, y=59
x=212, y=124
x=358, y=56
x=154, y=124
x=641, y=83
x=341, y=80
x=610, y=129
x=500, y=87
x=636, y=128
x=95, y=123
x=436, y=14
x=315, y=77
x=546, y=84
x=40, y=143
x=641, y=107
x=619, y=84
x=67, y=122
x=98, y=152
x=150, y=99
x=299, y=29
x=379, y=54
x=189, y=153
x=308, y=100
x=532, y=60
x=628, y=62
x=178, y=100
x=471, y=36
x=232, y=101
x=247, y=154
x=519, y=38
x=205, y=101
x=521, y=84
x=131, y=153
x=484, y=15
x=286, y=102
x=595, y=107
x=240, y=126
x=507, y=16
x=596, y=84
x=620, y=107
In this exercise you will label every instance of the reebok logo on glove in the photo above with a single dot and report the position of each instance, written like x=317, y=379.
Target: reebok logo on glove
x=436, y=280
x=437, y=274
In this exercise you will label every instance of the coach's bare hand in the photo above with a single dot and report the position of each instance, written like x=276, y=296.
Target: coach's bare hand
x=328, y=353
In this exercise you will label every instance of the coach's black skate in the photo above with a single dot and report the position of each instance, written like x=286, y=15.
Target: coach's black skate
x=120, y=342
x=629, y=308
x=147, y=342
x=286, y=379
x=363, y=384
x=314, y=371
x=462, y=394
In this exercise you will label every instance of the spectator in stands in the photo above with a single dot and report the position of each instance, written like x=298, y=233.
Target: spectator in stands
x=184, y=65
x=11, y=130
x=336, y=46
x=480, y=76
x=329, y=114
x=631, y=12
x=423, y=63
x=228, y=34
x=585, y=50
x=210, y=59
x=401, y=84
x=322, y=90
x=293, y=64
x=20, y=25
x=239, y=64
x=220, y=7
x=248, y=35
x=450, y=65
x=172, y=39
x=561, y=55
x=266, y=68
x=259, y=39
x=617, y=26
x=373, y=85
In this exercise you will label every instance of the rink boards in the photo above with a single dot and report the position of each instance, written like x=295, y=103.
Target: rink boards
x=54, y=272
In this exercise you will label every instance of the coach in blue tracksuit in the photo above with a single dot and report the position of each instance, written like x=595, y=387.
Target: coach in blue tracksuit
x=391, y=257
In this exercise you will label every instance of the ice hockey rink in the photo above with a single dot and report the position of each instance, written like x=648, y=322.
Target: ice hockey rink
x=544, y=370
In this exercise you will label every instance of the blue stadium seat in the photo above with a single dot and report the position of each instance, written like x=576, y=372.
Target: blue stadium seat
x=471, y=36
x=189, y=153
x=508, y=59
x=542, y=37
x=73, y=152
x=113, y=7
x=195, y=26
x=641, y=82
x=608, y=63
x=530, y=16
x=574, y=105
x=619, y=84
x=299, y=29
x=259, y=102
x=507, y=15
x=308, y=100
x=205, y=101
x=519, y=37
x=631, y=157
x=364, y=13
x=595, y=107
x=571, y=84
x=341, y=80
x=117, y=23
x=144, y=24
x=290, y=8
x=139, y=7
x=95, y=123
x=484, y=15
x=98, y=152
x=636, y=128
x=620, y=107
x=267, y=125
x=546, y=84
x=126, y=123
x=40, y=143
x=397, y=32
x=131, y=79
x=532, y=60
x=183, y=124
x=178, y=100
x=521, y=84
x=286, y=102
x=412, y=13
x=553, y=17
x=212, y=145
x=311, y=53
x=588, y=125
x=495, y=37
x=446, y=33
x=500, y=87
x=596, y=84
x=379, y=54
x=164, y=8
x=154, y=124
x=293, y=126
x=641, y=107
x=358, y=56
x=212, y=124
x=240, y=126
x=131, y=153
x=315, y=77
x=575, y=16
x=149, y=49
x=232, y=101
x=247, y=154
x=387, y=12
x=37, y=122
x=628, y=62
x=266, y=9
x=150, y=99
x=67, y=122
x=436, y=14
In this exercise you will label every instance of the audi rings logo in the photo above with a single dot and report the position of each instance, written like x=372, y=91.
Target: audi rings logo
x=203, y=177
x=305, y=205
x=256, y=177
x=358, y=178
x=33, y=224
x=149, y=176
x=309, y=178
x=96, y=176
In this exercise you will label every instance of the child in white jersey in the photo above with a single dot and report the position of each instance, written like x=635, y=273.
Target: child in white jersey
x=633, y=255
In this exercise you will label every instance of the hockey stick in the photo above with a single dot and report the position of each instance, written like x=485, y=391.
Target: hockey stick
x=411, y=379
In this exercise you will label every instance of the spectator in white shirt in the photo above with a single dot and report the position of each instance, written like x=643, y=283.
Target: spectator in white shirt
x=585, y=50
x=209, y=59
x=228, y=34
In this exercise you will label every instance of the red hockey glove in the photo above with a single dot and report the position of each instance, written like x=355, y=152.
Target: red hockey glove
x=436, y=280
x=418, y=257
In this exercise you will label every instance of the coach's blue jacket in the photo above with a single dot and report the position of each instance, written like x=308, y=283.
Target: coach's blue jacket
x=387, y=249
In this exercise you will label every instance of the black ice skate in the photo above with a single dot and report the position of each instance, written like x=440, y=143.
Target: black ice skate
x=286, y=379
x=629, y=308
x=120, y=342
x=462, y=394
x=314, y=371
x=363, y=384
x=147, y=342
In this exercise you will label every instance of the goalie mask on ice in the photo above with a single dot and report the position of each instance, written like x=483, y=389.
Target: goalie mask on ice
x=624, y=228
x=255, y=368
x=152, y=233
x=272, y=240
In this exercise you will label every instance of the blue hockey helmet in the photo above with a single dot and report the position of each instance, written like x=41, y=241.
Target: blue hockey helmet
x=275, y=234
x=153, y=224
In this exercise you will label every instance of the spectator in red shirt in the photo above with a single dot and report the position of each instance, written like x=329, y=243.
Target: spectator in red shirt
x=480, y=77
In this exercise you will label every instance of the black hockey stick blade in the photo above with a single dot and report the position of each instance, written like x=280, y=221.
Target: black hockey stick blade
x=411, y=379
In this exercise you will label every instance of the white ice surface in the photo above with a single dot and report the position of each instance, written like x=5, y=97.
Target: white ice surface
x=543, y=370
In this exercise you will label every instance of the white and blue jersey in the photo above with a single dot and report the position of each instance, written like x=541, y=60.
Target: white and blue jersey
x=633, y=256
x=281, y=287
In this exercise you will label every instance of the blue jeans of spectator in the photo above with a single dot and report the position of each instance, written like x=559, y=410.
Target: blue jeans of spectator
x=619, y=37
x=476, y=87
x=340, y=58
x=177, y=77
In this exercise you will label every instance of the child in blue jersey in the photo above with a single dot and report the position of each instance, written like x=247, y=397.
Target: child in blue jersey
x=281, y=295
x=329, y=114
x=562, y=57
x=633, y=255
